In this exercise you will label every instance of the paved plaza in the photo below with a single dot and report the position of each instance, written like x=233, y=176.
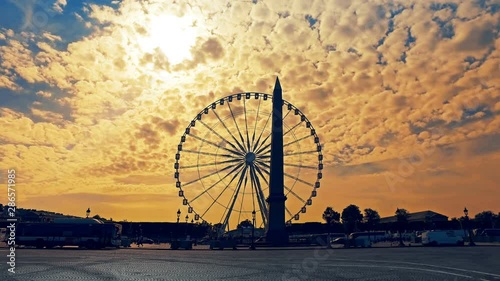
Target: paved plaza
x=160, y=263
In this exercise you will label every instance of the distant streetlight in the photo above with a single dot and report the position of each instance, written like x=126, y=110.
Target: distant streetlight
x=187, y=218
x=467, y=225
x=178, y=215
x=252, y=246
x=88, y=212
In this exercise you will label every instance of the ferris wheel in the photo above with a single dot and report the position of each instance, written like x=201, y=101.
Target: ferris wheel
x=222, y=164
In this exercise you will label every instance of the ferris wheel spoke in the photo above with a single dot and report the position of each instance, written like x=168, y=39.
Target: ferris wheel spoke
x=297, y=140
x=292, y=128
x=220, y=194
x=216, y=145
x=298, y=179
x=259, y=170
x=252, y=185
x=269, y=135
x=263, y=148
x=294, y=194
x=261, y=132
x=237, y=127
x=260, y=194
x=229, y=131
x=288, y=211
x=262, y=157
x=211, y=174
x=263, y=142
x=266, y=165
x=246, y=124
x=242, y=179
x=218, y=135
x=255, y=125
x=210, y=154
x=243, y=197
x=301, y=166
x=235, y=169
x=301, y=152
x=211, y=164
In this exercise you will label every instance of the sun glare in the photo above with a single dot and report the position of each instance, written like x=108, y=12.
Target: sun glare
x=173, y=35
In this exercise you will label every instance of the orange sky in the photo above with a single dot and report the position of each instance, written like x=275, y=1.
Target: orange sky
x=404, y=96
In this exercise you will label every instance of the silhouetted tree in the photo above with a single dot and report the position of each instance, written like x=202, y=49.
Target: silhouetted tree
x=401, y=223
x=330, y=216
x=371, y=218
x=351, y=216
x=485, y=219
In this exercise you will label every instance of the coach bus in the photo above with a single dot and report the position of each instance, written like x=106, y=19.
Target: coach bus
x=85, y=233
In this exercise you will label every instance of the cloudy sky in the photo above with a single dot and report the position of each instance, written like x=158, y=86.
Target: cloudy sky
x=404, y=95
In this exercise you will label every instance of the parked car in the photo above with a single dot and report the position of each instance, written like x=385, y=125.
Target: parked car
x=340, y=240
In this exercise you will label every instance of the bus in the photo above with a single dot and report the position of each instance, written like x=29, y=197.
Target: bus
x=313, y=239
x=374, y=236
x=84, y=233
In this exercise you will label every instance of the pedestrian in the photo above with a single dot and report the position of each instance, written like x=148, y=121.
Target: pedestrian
x=139, y=241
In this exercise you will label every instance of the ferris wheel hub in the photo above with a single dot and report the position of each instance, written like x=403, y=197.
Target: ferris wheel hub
x=249, y=158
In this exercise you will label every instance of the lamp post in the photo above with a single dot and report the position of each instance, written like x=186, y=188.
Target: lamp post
x=177, y=229
x=466, y=217
x=252, y=246
x=88, y=212
x=186, y=227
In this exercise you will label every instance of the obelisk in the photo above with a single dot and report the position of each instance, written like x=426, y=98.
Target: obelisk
x=276, y=233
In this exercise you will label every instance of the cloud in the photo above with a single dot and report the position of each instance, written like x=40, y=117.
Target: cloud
x=380, y=81
x=59, y=5
x=48, y=116
x=44, y=94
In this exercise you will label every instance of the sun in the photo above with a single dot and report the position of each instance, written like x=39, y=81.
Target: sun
x=174, y=36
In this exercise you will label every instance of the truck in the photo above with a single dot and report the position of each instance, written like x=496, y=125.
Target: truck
x=441, y=237
x=84, y=233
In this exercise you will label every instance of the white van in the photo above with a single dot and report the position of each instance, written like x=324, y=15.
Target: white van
x=441, y=237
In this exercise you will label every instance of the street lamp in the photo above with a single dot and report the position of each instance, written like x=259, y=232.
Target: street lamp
x=178, y=215
x=88, y=212
x=252, y=246
x=466, y=217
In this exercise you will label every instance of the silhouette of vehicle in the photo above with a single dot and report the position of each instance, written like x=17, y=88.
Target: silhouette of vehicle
x=85, y=233
x=147, y=241
x=340, y=240
x=441, y=237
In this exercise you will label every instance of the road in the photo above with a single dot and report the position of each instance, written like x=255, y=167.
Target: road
x=409, y=263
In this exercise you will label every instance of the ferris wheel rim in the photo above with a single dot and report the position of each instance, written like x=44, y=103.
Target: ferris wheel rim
x=264, y=96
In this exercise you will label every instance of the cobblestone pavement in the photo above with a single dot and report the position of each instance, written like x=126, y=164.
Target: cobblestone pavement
x=410, y=263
